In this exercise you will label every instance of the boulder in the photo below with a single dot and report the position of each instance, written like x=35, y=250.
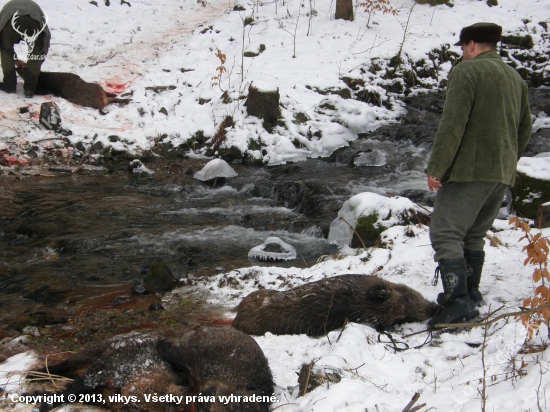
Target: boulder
x=532, y=187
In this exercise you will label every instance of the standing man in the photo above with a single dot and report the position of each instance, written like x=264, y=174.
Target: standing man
x=485, y=127
x=23, y=20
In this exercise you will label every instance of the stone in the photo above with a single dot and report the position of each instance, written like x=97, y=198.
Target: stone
x=160, y=278
x=50, y=116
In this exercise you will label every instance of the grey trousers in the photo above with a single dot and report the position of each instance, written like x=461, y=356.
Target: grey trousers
x=462, y=215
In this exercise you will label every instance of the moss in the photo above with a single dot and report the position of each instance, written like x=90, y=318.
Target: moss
x=492, y=3
x=300, y=118
x=368, y=230
x=518, y=42
x=327, y=106
x=253, y=144
x=160, y=277
x=233, y=153
x=529, y=194
x=250, y=54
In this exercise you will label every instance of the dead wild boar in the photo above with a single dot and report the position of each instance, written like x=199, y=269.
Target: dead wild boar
x=207, y=362
x=318, y=307
x=222, y=364
x=73, y=88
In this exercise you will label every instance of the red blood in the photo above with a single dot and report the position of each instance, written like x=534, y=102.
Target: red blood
x=115, y=88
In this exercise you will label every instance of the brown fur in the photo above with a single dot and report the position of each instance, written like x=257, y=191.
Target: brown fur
x=73, y=88
x=128, y=365
x=209, y=360
x=220, y=361
x=319, y=307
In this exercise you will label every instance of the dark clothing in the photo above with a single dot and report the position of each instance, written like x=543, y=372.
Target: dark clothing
x=485, y=127
x=462, y=215
x=30, y=19
x=486, y=123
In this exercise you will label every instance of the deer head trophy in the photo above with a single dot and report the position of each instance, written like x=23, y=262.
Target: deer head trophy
x=30, y=40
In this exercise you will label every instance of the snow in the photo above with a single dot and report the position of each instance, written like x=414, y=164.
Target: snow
x=215, y=168
x=174, y=43
x=537, y=167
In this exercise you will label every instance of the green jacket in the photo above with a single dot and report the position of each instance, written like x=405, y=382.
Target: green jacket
x=486, y=123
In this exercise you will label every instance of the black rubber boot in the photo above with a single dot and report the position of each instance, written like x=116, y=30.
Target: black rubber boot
x=474, y=262
x=457, y=305
x=474, y=267
x=5, y=88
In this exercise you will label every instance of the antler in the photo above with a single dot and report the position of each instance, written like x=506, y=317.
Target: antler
x=15, y=16
x=30, y=40
x=35, y=35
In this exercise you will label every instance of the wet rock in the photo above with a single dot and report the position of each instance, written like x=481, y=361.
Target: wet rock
x=97, y=148
x=160, y=278
x=121, y=299
x=155, y=307
x=12, y=346
x=372, y=157
x=31, y=330
x=138, y=288
x=43, y=318
x=47, y=294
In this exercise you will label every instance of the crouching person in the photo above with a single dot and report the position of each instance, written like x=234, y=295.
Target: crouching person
x=23, y=20
x=485, y=127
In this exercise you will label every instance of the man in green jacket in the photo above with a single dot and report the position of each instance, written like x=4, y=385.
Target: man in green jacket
x=485, y=127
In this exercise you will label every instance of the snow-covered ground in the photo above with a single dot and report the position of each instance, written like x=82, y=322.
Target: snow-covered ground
x=174, y=43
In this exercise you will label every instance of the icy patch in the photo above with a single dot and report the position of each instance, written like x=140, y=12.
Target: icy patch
x=215, y=168
x=259, y=252
x=372, y=158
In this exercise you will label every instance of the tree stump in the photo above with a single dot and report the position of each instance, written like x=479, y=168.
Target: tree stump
x=344, y=10
x=263, y=103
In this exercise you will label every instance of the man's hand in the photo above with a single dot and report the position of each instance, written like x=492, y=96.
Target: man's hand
x=433, y=183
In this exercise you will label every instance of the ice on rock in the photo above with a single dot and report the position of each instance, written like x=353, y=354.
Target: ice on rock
x=260, y=252
x=371, y=158
x=215, y=168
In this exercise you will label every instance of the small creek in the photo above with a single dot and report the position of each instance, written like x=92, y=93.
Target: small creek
x=78, y=241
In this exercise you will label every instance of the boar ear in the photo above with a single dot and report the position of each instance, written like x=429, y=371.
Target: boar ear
x=378, y=293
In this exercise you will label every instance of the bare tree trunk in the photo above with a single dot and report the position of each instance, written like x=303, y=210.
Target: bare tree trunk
x=344, y=10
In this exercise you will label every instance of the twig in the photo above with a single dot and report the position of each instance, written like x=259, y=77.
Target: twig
x=490, y=322
x=103, y=61
x=415, y=398
x=484, y=379
x=354, y=231
x=342, y=331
